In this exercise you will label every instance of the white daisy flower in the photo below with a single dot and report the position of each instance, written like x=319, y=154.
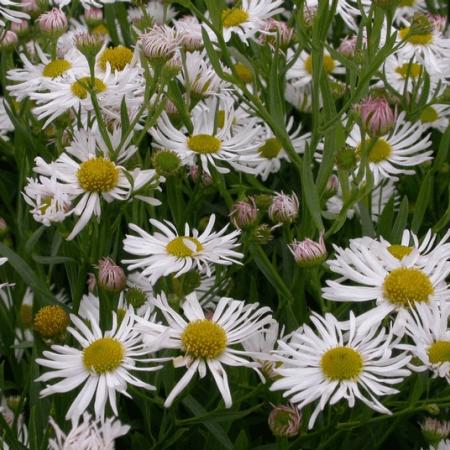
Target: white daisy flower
x=103, y=365
x=331, y=364
x=403, y=73
x=422, y=41
x=392, y=154
x=370, y=271
x=206, y=143
x=427, y=327
x=407, y=8
x=190, y=31
x=300, y=97
x=246, y=19
x=89, y=176
x=436, y=116
x=379, y=198
x=166, y=252
x=10, y=14
x=49, y=200
x=32, y=77
x=205, y=343
x=88, y=434
x=271, y=152
x=71, y=93
x=300, y=73
x=158, y=11
x=344, y=8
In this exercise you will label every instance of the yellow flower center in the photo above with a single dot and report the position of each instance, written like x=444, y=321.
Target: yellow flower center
x=399, y=251
x=328, y=64
x=183, y=247
x=51, y=321
x=341, y=363
x=233, y=17
x=244, y=73
x=98, y=175
x=204, y=339
x=407, y=285
x=270, y=149
x=380, y=151
x=204, y=143
x=26, y=315
x=409, y=70
x=439, y=352
x=429, y=115
x=118, y=57
x=416, y=38
x=80, y=87
x=103, y=355
x=56, y=68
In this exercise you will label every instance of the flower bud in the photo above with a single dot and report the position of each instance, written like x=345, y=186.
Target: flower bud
x=332, y=186
x=159, y=44
x=8, y=39
x=309, y=14
x=273, y=30
x=438, y=22
x=189, y=31
x=93, y=16
x=111, y=277
x=89, y=44
x=346, y=159
x=51, y=321
x=3, y=228
x=435, y=430
x=377, y=116
x=244, y=213
x=262, y=234
x=30, y=6
x=199, y=176
x=53, y=22
x=309, y=253
x=20, y=28
x=284, y=208
x=166, y=162
x=285, y=421
x=91, y=282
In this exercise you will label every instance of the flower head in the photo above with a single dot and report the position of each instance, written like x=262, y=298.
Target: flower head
x=376, y=115
x=53, y=22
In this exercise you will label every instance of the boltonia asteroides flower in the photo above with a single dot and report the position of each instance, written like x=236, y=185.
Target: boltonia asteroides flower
x=166, y=251
x=333, y=364
x=208, y=143
x=205, y=343
x=428, y=329
x=89, y=176
x=395, y=276
x=103, y=365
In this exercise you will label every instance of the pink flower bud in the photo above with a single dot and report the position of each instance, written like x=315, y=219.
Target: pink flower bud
x=285, y=421
x=275, y=29
x=29, y=6
x=348, y=46
x=8, y=39
x=93, y=16
x=19, y=27
x=309, y=253
x=160, y=43
x=53, y=22
x=438, y=22
x=199, y=176
x=111, y=276
x=284, y=208
x=435, y=430
x=244, y=213
x=377, y=115
x=332, y=186
x=91, y=281
x=189, y=31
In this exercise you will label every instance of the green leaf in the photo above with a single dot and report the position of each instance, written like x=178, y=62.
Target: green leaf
x=216, y=430
x=53, y=259
x=422, y=203
x=400, y=222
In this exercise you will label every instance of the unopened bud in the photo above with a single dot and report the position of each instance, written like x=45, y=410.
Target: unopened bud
x=53, y=22
x=93, y=16
x=91, y=282
x=435, y=430
x=88, y=44
x=377, y=116
x=262, y=234
x=159, y=44
x=438, y=22
x=166, y=162
x=199, y=176
x=274, y=31
x=189, y=31
x=8, y=40
x=20, y=28
x=3, y=228
x=332, y=186
x=285, y=421
x=309, y=253
x=111, y=277
x=284, y=208
x=244, y=213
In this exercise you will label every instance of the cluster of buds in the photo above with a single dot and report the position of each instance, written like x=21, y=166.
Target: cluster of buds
x=284, y=208
x=111, y=277
x=285, y=421
x=377, y=116
x=53, y=23
x=244, y=213
x=309, y=253
x=275, y=31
